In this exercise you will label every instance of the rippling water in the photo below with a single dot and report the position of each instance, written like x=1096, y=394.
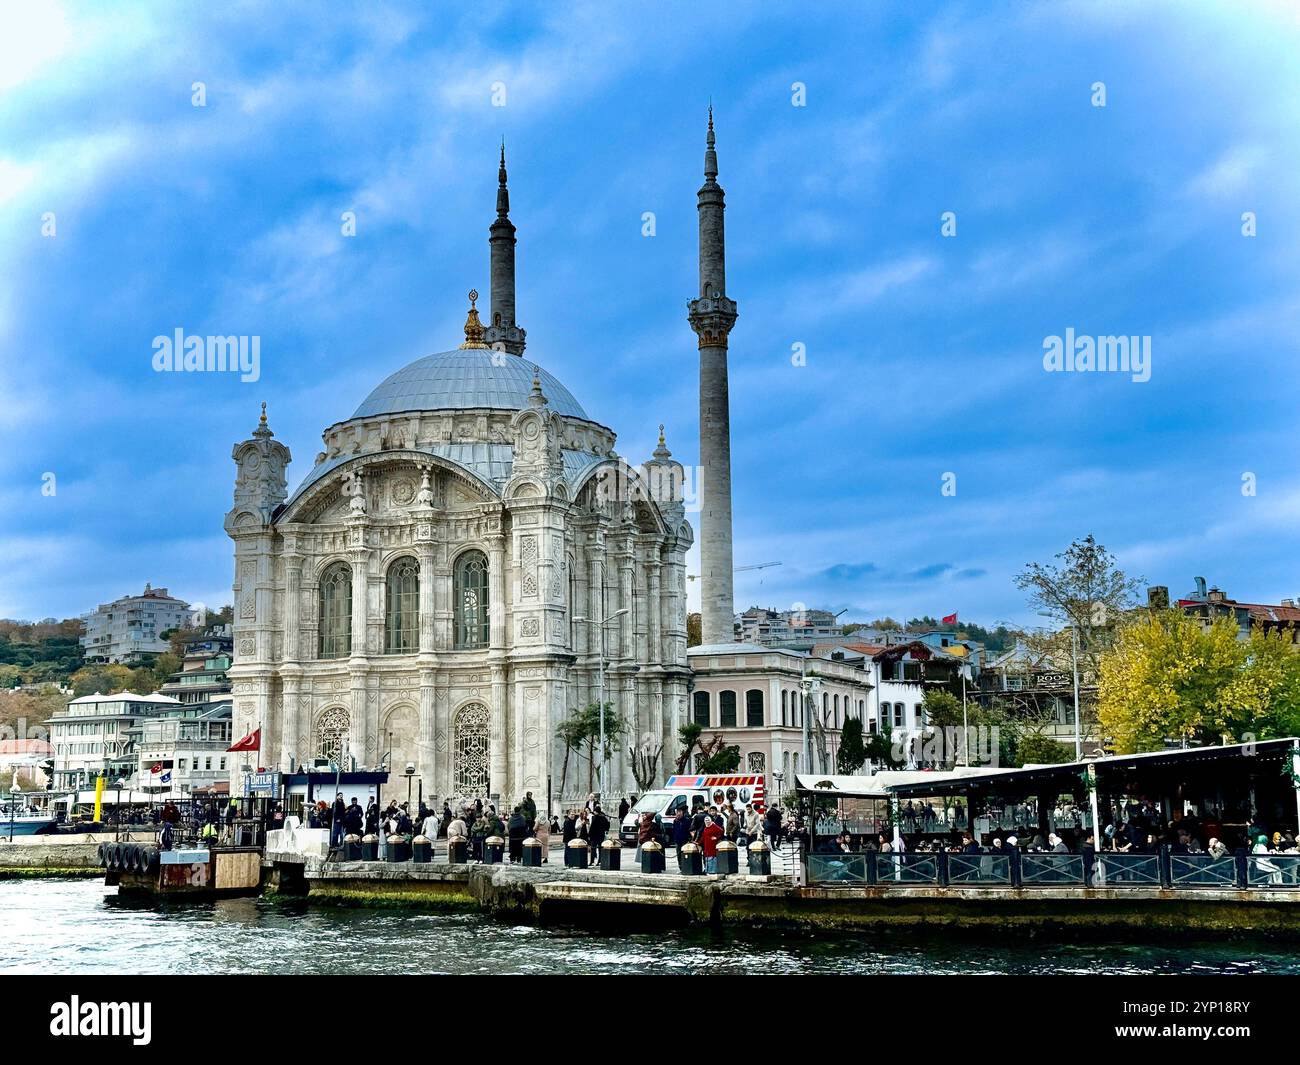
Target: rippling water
x=80, y=926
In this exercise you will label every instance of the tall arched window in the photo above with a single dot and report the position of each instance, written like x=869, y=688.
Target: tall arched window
x=336, y=611
x=727, y=709
x=754, y=708
x=835, y=719
x=402, y=623
x=785, y=707
x=702, y=709
x=471, y=595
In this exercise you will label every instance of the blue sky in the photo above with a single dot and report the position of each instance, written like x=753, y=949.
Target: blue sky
x=924, y=352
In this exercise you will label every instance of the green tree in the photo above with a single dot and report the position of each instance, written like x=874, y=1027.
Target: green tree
x=880, y=749
x=721, y=758
x=852, y=754
x=1171, y=676
x=689, y=736
x=1034, y=748
x=694, y=630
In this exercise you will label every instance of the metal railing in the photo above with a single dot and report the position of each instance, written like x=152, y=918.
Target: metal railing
x=1273, y=871
x=1203, y=870
x=1051, y=870
x=1127, y=870
x=904, y=868
x=966, y=869
x=838, y=868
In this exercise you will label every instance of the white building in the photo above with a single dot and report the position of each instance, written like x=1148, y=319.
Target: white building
x=430, y=593
x=770, y=702
x=97, y=735
x=129, y=628
x=184, y=747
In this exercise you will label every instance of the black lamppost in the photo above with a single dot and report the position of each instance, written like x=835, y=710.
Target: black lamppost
x=410, y=775
x=14, y=791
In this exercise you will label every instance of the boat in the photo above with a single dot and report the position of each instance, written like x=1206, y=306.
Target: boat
x=19, y=818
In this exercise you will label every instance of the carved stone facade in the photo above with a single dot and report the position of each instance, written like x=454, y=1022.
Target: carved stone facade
x=567, y=529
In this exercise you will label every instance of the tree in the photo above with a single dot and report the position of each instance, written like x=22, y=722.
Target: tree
x=880, y=749
x=645, y=762
x=689, y=736
x=1084, y=589
x=100, y=679
x=942, y=709
x=852, y=754
x=694, y=630
x=719, y=757
x=1035, y=748
x=1171, y=676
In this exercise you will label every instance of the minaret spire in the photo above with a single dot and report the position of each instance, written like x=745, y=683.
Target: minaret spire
x=712, y=315
x=502, y=332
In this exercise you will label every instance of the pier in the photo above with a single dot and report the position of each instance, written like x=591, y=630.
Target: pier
x=554, y=894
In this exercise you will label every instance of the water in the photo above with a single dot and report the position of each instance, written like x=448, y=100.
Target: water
x=80, y=926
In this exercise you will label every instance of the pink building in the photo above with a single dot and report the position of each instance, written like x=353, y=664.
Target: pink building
x=769, y=702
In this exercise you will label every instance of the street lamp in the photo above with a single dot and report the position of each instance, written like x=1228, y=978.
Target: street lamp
x=118, y=811
x=14, y=791
x=600, y=686
x=410, y=775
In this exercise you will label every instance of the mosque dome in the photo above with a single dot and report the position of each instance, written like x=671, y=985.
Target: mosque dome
x=467, y=379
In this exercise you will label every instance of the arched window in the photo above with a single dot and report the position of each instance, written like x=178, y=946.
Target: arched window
x=727, y=709
x=336, y=611
x=835, y=720
x=331, y=728
x=402, y=624
x=471, y=596
x=785, y=707
x=754, y=708
x=702, y=709
x=900, y=712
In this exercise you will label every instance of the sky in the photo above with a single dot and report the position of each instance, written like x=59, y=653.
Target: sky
x=898, y=444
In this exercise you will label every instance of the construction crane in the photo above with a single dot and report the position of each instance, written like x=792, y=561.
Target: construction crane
x=737, y=569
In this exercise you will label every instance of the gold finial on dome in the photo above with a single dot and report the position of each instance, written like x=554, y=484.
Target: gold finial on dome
x=473, y=327
x=661, y=434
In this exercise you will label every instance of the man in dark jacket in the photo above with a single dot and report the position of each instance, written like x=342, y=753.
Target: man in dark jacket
x=773, y=820
x=516, y=830
x=681, y=831
x=354, y=820
x=623, y=808
x=597, y=832
x=339, y=811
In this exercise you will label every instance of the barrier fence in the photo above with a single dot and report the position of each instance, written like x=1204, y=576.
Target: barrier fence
x=1259, y=872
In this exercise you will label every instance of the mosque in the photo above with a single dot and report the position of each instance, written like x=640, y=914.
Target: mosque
x=469, y=560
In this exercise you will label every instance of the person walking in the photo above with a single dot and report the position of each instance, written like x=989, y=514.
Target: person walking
x=623, y=808
x=774, y=827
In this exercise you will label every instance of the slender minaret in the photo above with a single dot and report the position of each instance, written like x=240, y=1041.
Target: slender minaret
x=501, y=331
x=711, y=316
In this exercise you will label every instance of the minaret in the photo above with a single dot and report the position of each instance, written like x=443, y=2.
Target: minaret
x=711, y=316
x=501, y=331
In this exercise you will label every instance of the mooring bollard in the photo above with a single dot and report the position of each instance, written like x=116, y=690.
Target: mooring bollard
x=532, y=853
x=493, y=849
x=370, y=847
x=576, y=854
x=611, y=855
x=760, y=859
x=457, y=850
x=690, y=860
x=652, y=857
x=422, y=849
x=352, y=847
x=399, y=850
x=728, y=858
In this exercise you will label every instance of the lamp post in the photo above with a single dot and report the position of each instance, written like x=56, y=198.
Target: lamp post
x=600, y=686
x=410, y=775
x=118, y=811
x=14, y=791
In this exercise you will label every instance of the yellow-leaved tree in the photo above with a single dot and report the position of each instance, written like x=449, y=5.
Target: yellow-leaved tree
x=1169, y=676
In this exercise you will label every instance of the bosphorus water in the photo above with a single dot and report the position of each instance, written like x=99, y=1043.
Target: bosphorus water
x=81, y=926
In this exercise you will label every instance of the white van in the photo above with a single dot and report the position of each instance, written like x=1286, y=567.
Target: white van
x=688, y=792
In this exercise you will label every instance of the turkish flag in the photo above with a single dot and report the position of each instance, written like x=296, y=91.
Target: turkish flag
x=156, y=768
x=951, y=619
x=251, y=742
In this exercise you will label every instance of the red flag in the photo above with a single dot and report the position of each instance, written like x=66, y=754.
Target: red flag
x=156, y=768
x=251, y=742
x=951, y=619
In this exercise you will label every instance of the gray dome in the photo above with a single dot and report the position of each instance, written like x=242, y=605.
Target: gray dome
x=463, y=379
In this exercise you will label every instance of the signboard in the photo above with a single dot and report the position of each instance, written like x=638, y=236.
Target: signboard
x=267, y=785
